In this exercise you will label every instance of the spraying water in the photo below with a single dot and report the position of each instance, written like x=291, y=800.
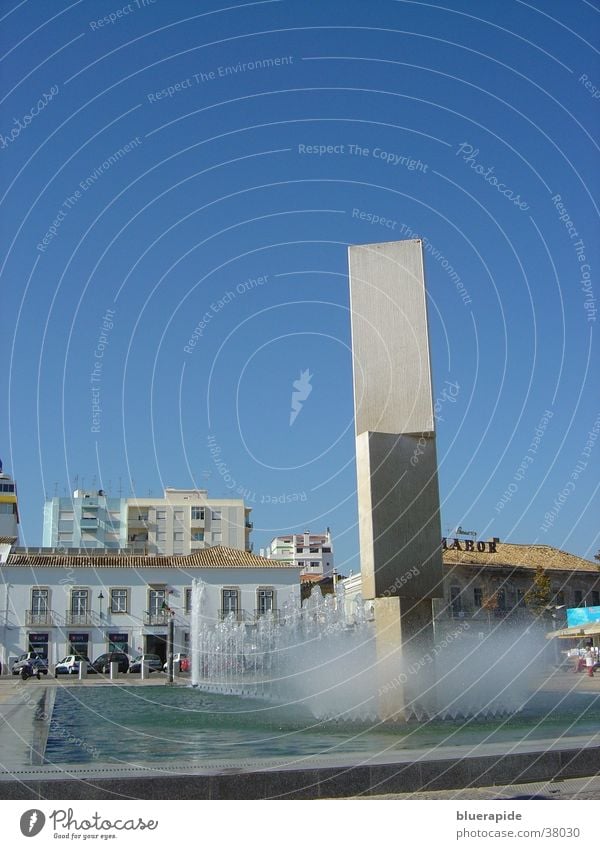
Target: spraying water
x=325, y=657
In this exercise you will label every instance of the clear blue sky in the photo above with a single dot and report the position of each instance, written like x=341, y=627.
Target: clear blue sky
x=461, y=122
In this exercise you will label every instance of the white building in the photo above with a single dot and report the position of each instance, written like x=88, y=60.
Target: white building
x=57, y=603
x=9, y=508
x=183, y=521
x=311, y=553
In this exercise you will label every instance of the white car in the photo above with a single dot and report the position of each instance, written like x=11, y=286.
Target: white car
x=182, y=659
x=69, y=665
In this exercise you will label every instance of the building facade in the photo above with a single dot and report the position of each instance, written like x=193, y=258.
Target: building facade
x=311, y=553
x=9, y=507
x=57, y=603
x=183, y=521
x=484, y=583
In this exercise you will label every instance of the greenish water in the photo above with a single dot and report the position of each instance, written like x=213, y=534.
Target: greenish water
x=131, y=725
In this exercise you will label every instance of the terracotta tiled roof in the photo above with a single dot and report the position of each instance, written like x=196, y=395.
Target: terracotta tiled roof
x=8, y=540
x=515, y=556
x=216, y=557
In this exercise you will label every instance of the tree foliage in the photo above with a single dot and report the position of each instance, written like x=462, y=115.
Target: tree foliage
x=539, y=594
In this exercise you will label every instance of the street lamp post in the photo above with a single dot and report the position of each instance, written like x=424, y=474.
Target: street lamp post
x=170, y=640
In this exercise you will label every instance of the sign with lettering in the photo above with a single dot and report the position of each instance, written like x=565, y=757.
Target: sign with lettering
x=469, y=545
x=79, y=638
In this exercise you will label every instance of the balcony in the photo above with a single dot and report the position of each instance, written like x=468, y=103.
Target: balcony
x=261, y=614
x=235, y=615
x=249, y=525
x=85, y=617
x=161, y=618
x=138, y=521
x=36, y=617
x=88, y=523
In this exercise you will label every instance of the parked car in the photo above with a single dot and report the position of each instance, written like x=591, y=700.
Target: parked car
x=32, y=662
x=182, y=659
x=154, y=662
x=69, y=665
x=102, y=663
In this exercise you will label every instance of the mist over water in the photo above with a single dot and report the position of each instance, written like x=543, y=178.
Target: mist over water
x=323, y=659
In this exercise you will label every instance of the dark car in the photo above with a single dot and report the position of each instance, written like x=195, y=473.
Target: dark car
x=102, y=663
x=154, y=662
x=32, y=663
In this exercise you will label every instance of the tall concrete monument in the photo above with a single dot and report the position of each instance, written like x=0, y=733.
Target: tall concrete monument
x=398, y=496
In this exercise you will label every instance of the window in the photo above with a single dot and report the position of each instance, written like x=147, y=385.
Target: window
x=161, y=515
x=197, y=513
x=501, y=600
x=455, y=600
x=314, y=564
x=198, y=536
x=578, y=596
x=118, y=601
x=178, y=515
x=477, y=596
x=301, y=563
x=314, y=550
x=157, y=599
x=178, y=536
x=264, y=600
x=560, y=597
x=39, y=602
x=595, y=598
x=188, y=600
x=299, y=550
x=521, y=598
x=79, y=602
x=326, y=550
x=230, y=601
x=161, y=536
x=216, y=515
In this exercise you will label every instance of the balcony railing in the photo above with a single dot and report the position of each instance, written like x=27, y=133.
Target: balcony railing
x=260, y=614
x=236, y=615
x=35, y=617
x=88, y=523
x=156, y=618
x=82, y=617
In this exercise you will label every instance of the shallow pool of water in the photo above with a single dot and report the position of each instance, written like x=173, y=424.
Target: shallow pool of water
x=140, y=725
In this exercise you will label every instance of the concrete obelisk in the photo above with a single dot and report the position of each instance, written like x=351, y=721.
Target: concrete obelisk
x=398, y=496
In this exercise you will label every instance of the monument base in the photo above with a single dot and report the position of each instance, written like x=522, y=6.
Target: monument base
x=404, y=640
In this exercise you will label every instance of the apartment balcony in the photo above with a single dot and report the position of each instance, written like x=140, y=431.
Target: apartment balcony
x=141, y=522
x=35, y=618
x=261, y=614
x=161, y=618
x=235, y=615
x=85, y=617
x=88, y=524
x=249, y=525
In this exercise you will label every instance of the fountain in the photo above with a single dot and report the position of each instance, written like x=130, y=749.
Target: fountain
x=332, y=699
x=319, y=657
